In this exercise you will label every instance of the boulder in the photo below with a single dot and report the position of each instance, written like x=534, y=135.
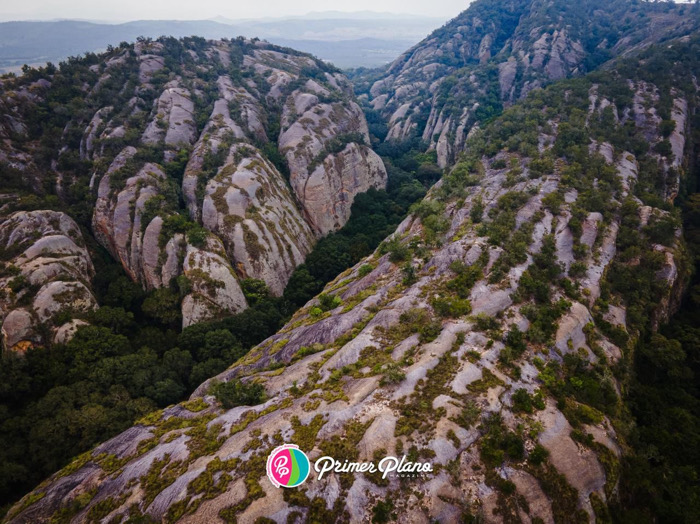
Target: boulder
x=19, y=325
x=51, y=270
x=58, y=296
x=215, y=289
x=67, y=331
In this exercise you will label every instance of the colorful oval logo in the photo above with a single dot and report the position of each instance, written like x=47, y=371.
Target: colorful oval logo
x=287, y=466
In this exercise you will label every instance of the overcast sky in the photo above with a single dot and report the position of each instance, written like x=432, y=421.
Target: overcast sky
x=123, y=10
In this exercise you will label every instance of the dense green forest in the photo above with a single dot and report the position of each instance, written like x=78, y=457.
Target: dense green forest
x=660, y=479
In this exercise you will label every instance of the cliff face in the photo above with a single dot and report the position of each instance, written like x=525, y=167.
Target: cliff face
x=45, y=278
x=323, y=144
x=496, y=52
x=238, y=150
x=250, y=206
x=482, y=337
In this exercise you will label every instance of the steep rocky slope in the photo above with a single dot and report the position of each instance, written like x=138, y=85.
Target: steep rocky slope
x=45, y=278
x=496, y=52
x=210, y=161
x=483, y=337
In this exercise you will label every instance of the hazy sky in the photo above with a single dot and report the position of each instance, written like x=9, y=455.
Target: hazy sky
x=122, y=10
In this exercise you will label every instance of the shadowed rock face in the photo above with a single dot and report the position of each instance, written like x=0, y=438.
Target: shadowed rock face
x=353, y=170
x=455, y=363
x=264, y=148
x=215, y=288
x=46, y=271
x=250, y=206
x=117, y=220
x=324, y=146
x=505, y=49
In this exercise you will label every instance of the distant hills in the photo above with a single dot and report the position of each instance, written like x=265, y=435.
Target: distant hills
x=345, y=39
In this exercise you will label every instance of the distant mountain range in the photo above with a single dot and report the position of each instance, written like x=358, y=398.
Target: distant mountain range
x=345, y=39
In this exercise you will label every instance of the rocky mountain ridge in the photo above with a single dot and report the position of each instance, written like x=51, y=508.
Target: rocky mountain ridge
x=208, y=162
x=483, y=336
x=496, y=52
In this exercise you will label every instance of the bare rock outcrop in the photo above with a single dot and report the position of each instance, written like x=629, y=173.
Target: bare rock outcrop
x=214, y=286
x=249, y=205
x=173, y=124
x=527, y=45
x=329, y=163
x=269, y=160
x=343, y=175
x=121, y=222
x=46, y=270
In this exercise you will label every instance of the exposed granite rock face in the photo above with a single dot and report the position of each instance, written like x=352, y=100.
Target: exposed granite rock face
x=215, y=288
x=328, y=161
x=120, y=223
x=343, y=175
x=247, y=202
x=46, y=270
x=553, y=53
x=431, y=367
x=19, y=326
x=268, y=145
x=268, y=112
x=449, y=76
x=56, y=296
x=249, y=205
x=173, y=124
x=68, y=330
x=218, y=133
x=87, y=144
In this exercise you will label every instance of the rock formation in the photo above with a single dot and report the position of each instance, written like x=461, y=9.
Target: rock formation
x=495, y=53
x=46, y=274
x=230, y=184
x=481, y=338
x=266, y=147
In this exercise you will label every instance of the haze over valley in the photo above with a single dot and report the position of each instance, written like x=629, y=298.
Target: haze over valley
x=344, y=39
